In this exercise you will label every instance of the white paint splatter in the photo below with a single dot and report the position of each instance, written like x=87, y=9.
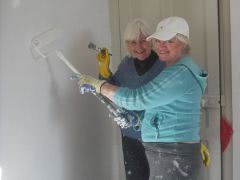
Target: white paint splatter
x=129, y=172
x=158, y=177
x=16, y=3
x=176, y=164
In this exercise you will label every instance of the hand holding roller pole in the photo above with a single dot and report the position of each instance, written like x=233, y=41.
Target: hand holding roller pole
x=43, y=45
x=124, y=118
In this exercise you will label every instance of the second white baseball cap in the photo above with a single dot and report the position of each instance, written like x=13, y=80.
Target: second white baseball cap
x=170, y=27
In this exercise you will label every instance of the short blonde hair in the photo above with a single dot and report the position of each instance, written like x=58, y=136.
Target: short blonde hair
x=185, y=41
x=134, y=29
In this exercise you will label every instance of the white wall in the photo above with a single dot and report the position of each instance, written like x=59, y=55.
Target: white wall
x=235, y=39
x=47, y=130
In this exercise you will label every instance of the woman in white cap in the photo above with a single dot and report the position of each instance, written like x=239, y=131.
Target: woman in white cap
x=170, y=128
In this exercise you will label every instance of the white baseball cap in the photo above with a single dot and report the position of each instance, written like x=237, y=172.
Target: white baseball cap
x=170, y=27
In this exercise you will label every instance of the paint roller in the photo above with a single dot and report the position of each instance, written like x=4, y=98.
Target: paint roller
x=44, y=44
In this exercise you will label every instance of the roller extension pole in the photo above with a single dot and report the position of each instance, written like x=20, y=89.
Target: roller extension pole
x=123, y=117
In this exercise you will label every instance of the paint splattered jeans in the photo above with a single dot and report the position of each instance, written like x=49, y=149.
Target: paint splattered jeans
x=173, y=161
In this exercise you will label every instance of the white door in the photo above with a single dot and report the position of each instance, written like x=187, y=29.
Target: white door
x=202, y=17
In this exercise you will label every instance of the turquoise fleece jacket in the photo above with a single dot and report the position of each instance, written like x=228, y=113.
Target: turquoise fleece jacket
x=127, y=76
x=171, y=102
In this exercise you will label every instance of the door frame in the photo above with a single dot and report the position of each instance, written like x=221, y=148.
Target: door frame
x=225, y=81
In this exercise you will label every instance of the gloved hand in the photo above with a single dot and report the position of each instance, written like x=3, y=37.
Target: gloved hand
x=89, y=84
x=205, y=155
x=103, y=58
x=125, y=118
x=135, y=118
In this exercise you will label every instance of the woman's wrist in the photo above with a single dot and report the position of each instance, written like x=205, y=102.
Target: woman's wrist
x=108, y=90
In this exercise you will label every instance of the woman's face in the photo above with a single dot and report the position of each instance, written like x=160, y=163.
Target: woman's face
x=169, y=51
x=140, y=49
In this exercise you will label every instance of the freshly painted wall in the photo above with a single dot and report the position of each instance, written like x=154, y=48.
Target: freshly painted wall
x=235, y=39
x=48, y=131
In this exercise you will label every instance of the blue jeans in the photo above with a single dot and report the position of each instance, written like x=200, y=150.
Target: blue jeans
x=173, y=161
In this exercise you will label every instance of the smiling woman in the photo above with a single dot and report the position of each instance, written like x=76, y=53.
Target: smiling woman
x=171, y=40
x=139, y=49
x=170, y=127
x=172, y=50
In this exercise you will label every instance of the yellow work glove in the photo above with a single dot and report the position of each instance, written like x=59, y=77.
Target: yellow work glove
x=89, y=84
x=205, y=155
x=103, y=58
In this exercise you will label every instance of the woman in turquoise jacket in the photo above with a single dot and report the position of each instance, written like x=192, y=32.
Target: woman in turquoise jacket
x=170, y=128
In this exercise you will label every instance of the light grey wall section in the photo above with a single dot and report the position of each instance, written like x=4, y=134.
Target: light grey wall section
x=47, y=130
x=235, y=39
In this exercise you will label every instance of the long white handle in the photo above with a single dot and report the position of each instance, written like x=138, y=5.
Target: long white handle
x=115, y=111
x=62, y=57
